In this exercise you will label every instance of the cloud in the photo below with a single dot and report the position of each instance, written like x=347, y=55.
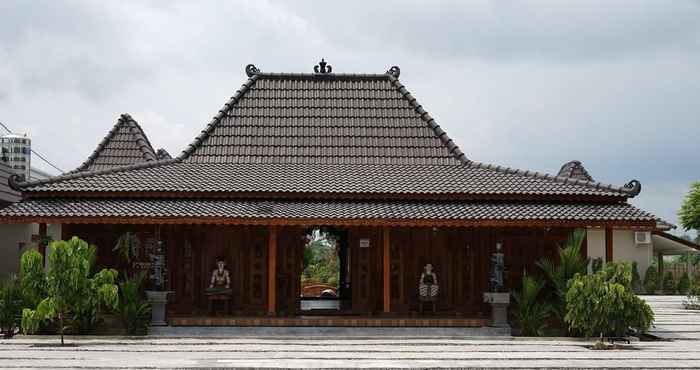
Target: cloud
x=528, y=84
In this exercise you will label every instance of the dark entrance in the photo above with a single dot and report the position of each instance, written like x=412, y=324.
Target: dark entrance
x=325, y=284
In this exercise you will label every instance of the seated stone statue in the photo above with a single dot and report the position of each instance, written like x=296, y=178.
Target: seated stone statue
x=428, y=287
x=220, y=282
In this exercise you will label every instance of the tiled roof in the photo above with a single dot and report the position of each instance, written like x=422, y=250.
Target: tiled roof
x=310, y=209
x=318, y=178
x=7, y=194
x=325, y=133
x=322, y=118
x=163, y=154
x=575, y=169
x=125, y=144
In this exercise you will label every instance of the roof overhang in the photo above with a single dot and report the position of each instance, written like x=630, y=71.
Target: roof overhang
x=669, y=244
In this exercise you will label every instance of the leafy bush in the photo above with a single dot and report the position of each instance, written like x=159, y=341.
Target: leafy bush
x=683, y=284
x=636, y=279
x=669, y=285
x=692, y=301
x=530, y=314
x=70, y=289
x=134, y=309
x=570, y=263
x=10, y=306
x=596, y=264
x=33, y=281
x=604, y=304
x=651, y=280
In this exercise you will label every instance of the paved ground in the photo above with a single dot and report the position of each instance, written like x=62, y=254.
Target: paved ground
x=324, y=352
x=298, y=350
x=672, y=320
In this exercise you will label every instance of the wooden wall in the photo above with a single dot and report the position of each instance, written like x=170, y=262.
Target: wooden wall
x=460, y=257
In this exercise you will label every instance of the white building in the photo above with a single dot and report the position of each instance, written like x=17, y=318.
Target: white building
x=16, y=152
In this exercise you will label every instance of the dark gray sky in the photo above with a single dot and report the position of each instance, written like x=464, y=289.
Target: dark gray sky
x=527, y=84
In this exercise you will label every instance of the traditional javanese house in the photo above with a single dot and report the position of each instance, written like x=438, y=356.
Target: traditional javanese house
x=355, y=154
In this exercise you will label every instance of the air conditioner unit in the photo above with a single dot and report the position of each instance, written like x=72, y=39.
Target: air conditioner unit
x=642, y=237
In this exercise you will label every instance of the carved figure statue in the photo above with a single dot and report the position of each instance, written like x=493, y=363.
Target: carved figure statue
x=497, y=270
x=220, y=279
x=428, y=287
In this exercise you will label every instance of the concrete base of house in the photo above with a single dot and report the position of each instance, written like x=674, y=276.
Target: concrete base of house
x=341, y=332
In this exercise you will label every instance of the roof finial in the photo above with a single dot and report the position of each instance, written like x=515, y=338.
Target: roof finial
x=251, y=70
x=323, y=67
x=394, y=71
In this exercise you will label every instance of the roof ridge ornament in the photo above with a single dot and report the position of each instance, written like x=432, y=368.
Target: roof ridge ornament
x=394, y=71
x=323, y=67
x=634, y=187
x=251, y=70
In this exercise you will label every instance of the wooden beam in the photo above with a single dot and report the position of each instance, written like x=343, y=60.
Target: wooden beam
x=386, y=263
x=42, y=242
x=608, y=244
x=272, y=270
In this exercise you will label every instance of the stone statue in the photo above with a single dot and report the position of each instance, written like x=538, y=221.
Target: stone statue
x=220, y=281
x=497, y=270
x=428, y=287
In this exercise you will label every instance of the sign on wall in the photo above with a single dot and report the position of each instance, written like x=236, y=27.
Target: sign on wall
x=364, y=243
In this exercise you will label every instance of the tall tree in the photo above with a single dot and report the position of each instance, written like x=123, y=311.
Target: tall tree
x=689, y=214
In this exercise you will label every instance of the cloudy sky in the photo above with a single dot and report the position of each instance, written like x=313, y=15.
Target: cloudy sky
x=526, y=84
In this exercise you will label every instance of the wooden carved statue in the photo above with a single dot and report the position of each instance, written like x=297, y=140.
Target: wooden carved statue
x=220, y=280
x=428, y=287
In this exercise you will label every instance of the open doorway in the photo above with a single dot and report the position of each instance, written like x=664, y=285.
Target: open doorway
x=325, y=277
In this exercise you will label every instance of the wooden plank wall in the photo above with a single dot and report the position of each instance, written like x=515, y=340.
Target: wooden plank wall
x=460, y=257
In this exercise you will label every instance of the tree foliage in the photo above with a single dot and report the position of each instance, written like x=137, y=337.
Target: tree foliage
x=669, y=284
x=10, y=306
x=651, y=280
x=683, y=284
x=689, y=214
x=321, y=263
x=570, y=263
x=604, y=303
x=71, y=289
x=530, y=314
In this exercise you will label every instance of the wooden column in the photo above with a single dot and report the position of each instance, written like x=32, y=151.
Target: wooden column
x=42, y=242
x=272, y=270
x=660, y=263
x=386, y=263
x=608, y=244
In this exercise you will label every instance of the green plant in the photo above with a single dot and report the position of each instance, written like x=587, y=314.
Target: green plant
x=570, y=263
x=689, y=214
x=596, y=264
x=636, y=279
x=651, y=280
x=128, y=246
x=10, y=306
x=33, y=279
x=70, y=286
x=692, y=301
x=604, y=304
x=669, y=285
x=530, y=314
x=134, y=309
x=683, y=284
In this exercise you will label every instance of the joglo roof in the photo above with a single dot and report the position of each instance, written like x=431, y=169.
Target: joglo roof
x=320, y=136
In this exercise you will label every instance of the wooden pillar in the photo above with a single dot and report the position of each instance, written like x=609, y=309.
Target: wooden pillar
x=608, y=244
x=42, y=242
x=272, y=270
x=660, y=262
x=386, y=263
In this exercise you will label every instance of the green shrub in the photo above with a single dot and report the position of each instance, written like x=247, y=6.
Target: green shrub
x=134, y=309
x=10, y=306
x=33, y=280
x=70, y=286
x=596, y=265
x=651, y=280
x=604, y=304
x=636, y=279
x=570, y=263
x=669, y=285
x=530, y=315
x=683, y=284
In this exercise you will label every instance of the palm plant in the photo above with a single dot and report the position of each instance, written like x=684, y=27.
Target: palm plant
x=530, y=314
x=570, y=263
x=133, y=308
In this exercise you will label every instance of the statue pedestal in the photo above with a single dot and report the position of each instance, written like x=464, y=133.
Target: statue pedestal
x=158, y=301
x=499, y=308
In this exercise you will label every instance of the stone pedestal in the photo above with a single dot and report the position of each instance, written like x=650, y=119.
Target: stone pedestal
x=499, y=308
x=158, y=301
